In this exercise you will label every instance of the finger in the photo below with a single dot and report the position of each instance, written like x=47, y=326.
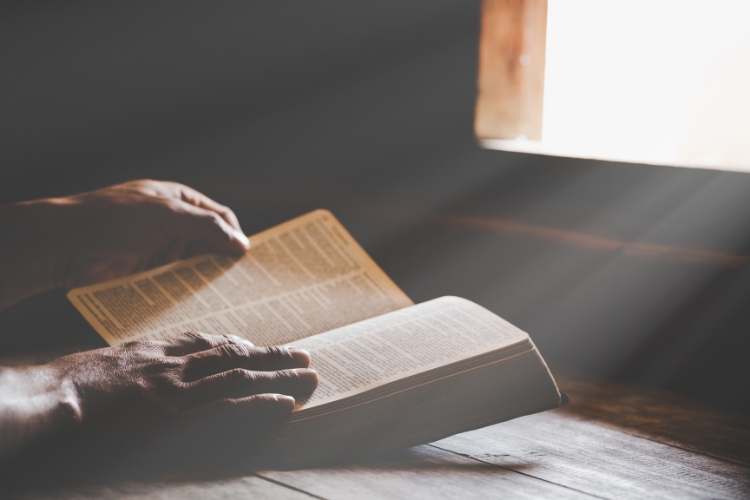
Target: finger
x=230, y=356
x=239, y=383
x=199, y=224
x=192, y=342
x=199, y=199
x=246, y=410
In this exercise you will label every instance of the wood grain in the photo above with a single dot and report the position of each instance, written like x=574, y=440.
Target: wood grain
x=611, y=442
x=587, y=456
x=661, y=416
x=420, y=472
x=245, y=487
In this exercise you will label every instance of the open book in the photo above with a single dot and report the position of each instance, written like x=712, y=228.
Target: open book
x=391, y=373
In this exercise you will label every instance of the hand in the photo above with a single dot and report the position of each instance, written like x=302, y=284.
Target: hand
x=108, y=233
x=186, y=376
x=213, y=389
x=119, y=230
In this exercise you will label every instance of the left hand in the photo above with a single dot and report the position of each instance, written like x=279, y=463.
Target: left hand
x=108, y=233
x=139, y=225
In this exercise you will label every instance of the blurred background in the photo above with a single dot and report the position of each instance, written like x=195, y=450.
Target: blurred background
x=632, y=273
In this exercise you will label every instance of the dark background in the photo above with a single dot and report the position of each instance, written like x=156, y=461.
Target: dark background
x=366, y=108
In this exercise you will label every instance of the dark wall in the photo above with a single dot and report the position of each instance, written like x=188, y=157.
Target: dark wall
x=632, y=272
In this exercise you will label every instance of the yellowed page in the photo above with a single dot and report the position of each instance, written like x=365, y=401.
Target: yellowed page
x=300, y=278
x=358, y=357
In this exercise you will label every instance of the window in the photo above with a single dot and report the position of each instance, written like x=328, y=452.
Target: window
x=646, y=81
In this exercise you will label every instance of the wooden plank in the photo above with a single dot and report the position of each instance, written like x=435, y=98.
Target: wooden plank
x=420, y=472
x=661, y=416
x=245, y=487
x=511, y=69
x=567, y=450
x=610, y=442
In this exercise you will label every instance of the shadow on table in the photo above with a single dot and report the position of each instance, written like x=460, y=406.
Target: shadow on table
x=83, y=471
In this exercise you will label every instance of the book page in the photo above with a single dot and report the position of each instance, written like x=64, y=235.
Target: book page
x=300, y=278
x=358, y=357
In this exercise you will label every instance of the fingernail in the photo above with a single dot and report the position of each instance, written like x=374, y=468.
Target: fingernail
x=286, y=400
x=305, y=371
x=300, y=355
x=308, y=375
x=241, y=238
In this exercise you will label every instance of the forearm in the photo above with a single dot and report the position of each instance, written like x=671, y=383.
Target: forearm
x=34, y=407
x=27, y=247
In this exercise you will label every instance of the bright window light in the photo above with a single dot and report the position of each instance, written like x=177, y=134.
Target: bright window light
x=659, y=81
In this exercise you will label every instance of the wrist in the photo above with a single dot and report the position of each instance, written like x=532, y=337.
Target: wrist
x=41, y=390
x=35, y=405
x=31, y=249
x=64, y=398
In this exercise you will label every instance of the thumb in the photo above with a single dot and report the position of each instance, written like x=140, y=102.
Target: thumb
x=208, y=227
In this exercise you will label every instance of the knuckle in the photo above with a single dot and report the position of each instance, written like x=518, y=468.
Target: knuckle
x=196, y=338
x=171, y=206
x=165, y=366
x=234, y=351
x=241, y=375
x=144, y=345
x=214, y=219
x=231, y=339
x=169, y=384
x=176, y=363
x=227, y=212
x=182, y=386
x=177, y=385
x=277, y=352
x=295, y=378
x=136, y=344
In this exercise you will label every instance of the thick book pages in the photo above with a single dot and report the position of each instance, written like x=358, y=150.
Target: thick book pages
x=391, y=374
x=413, y=376
x=300, y=278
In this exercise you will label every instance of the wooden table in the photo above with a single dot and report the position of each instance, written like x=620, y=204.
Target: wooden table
x=609, y=442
